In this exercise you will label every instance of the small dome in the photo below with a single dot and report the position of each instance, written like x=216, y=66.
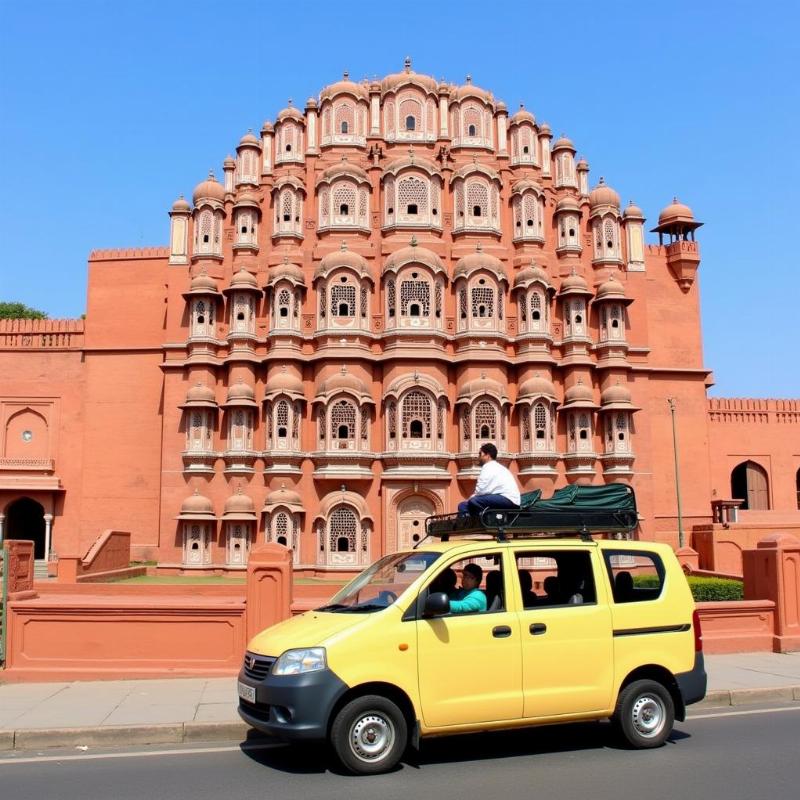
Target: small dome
x=394, y=81
x=582, y=165
x=568, y=204
x=196, y=506
x=412, y=160
x=246, y=198
x=284, y=382
x=574, y=284
x=342, y=258
x=345, y=86
x=469, y=89
x=283, y=497
x=563, y=143
x=202, y=283
x=243, y=281
x=632, y=211
x=286, y=271
x=480, y=386
x=239, y=506
x=249, y=140
x=200, y=394
x=531, y=274
x=267, y=127
x=209, y=189
x=537, y=386
x=675, y=212
x=290, y=112
x=181, y=205
x=344, y=167
x=579, y=395
x=343, y=380
x=472, y=167
x=413, y=255
x=611, y=289
x=229, y=162
x=311, y=103
x=545, y=128
x=480, y=260
x=523, y=115
x=617, y=394
x=525, y=185
x=603, y=195
x=240, y=394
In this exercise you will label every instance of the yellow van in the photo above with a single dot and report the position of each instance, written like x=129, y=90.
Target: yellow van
x=569, y=628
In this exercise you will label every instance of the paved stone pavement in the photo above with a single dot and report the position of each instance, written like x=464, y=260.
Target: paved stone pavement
x=79, y=704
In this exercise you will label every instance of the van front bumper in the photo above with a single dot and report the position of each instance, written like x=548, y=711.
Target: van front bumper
x=292, y=707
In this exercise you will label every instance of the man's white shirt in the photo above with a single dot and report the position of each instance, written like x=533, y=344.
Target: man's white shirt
x=496, y=479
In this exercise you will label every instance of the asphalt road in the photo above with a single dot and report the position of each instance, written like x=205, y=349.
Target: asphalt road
x=749, y=753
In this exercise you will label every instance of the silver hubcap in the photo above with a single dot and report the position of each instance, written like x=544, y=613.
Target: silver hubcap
x=648, y=715
x=371, y=737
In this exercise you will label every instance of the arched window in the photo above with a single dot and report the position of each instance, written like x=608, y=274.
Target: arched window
x=482, y=302
x=485, y=421
x=391, y=298
x=343, y=422
x=343, y=300
x=749, y=482
x=342, y=530
x=411, y=123
x=540, y=416
x=416, y=415
x=415, y=297
x=282, y=419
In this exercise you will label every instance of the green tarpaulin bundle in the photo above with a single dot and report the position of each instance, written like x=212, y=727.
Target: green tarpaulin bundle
x=611, y=497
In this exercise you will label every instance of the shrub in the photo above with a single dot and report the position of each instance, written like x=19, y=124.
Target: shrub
x=703, y=589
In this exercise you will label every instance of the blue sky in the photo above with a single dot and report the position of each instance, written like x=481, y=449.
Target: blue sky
x=109, y=110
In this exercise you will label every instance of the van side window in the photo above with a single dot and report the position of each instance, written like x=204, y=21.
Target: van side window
x=634, y=576
x=451, y=581
x=556, y=578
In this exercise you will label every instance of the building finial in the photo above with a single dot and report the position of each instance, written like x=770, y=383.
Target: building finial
x=469, y=78
x=345, y=76
x=407, y=64
x=674, y=198
x=211, y=175
x=289, y=102
x=602, y=181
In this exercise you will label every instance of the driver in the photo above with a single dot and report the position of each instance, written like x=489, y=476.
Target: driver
x=469, y=598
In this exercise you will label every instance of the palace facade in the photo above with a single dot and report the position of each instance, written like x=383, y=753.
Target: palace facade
x=379, y=283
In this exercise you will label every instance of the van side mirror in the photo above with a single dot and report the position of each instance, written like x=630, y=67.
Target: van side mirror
x=437, y=605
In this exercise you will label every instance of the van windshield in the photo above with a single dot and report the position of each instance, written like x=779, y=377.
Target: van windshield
x=379, y=585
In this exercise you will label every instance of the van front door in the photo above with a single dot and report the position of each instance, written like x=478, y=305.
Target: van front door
x=469, y=664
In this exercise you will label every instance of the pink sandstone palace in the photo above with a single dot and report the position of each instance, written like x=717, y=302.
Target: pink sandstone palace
x=380, y=283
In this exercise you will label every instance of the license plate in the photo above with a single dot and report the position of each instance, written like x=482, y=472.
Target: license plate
x=247, y=692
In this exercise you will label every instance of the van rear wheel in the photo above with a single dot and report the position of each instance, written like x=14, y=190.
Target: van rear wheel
x=369, y=735
x=645, y=714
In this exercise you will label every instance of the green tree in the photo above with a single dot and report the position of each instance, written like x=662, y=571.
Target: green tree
x=9, y=310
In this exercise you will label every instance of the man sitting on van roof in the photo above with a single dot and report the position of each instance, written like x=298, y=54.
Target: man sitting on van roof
x=469, y=598
x=496, y=487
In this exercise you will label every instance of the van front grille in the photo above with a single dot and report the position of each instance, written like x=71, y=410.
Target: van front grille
x=257, y=667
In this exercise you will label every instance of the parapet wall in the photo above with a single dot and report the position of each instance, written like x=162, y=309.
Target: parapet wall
x=127, y=253
x=41, y=334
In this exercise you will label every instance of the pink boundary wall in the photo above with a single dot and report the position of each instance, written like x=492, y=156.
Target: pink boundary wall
x=76, y=631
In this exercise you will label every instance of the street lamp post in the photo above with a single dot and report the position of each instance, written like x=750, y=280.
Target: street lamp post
x=671, y=401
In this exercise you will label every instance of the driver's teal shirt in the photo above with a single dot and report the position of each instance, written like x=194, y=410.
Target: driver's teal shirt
x=467, y=602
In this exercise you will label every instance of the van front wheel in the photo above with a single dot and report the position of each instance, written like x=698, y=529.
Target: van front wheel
x=369, y=735
x=645, y=714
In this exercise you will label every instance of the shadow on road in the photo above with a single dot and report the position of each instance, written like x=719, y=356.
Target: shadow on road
x=311, y=759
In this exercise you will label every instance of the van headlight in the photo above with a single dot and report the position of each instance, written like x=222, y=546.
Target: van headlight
x=295, y=662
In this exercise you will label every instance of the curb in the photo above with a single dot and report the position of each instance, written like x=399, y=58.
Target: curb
x=742, y=697
x=111, y=735
x=178, y=733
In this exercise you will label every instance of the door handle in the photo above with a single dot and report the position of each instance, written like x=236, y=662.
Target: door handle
x=537, y=628
x=501, y=632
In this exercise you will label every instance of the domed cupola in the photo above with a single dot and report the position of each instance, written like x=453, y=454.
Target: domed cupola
x=290, y=136
x=248, y=160
x=410, y=106
x=471, y=116
x=605, y=225
x=344, y=110
x=564, y=158
x=524, y=142
x=677, y=224
x=209, y=199
x=481, y=283
x=527, y=209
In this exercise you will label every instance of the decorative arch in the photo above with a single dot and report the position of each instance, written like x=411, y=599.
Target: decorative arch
x=27, y=435
x=750, y=483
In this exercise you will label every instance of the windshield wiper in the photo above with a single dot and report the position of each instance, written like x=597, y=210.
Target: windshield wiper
x=331, y=607
x=366, y=607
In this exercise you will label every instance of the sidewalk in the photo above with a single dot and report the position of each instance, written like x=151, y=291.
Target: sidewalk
x=39, y=715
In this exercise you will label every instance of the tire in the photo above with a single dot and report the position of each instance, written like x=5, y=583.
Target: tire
x=645, y=714
x=369, y=735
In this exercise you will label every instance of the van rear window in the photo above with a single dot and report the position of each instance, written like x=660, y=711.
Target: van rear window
x=635, y=576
